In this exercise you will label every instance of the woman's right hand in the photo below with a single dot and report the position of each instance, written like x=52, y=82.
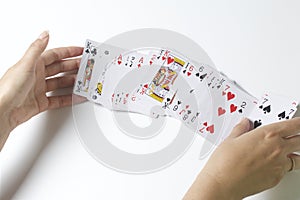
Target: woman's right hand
x=249, y=161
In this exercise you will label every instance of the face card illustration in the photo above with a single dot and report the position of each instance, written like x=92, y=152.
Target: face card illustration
x=88, y=74
x=160, y=82
x=165, y=78
x=88, y=61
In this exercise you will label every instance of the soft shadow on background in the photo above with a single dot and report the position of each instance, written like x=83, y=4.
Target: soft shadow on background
x=52, y=122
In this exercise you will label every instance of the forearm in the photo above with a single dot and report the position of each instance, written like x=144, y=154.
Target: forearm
x=3, y=138
x=206, y=187
x=5, y=122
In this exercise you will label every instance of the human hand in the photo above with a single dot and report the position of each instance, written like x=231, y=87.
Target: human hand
x=248, y=162
x=24, y=86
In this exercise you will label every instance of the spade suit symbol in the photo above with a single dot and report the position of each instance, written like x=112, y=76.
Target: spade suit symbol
x=281, y=115
x=267, y=109
x=203, y=76
x=257, y=123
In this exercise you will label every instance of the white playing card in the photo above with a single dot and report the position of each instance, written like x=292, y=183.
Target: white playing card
x=272, y=108
x=87, y=66
x=160, y=82
x=107, y=55
x=100, y=80
x=239, y=107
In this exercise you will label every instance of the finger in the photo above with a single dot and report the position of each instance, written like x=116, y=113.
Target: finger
x=293, y=143
x=35, y=50
x=60, y=82
x=59, y=101
x=62, y=66
x=57, y=54
x=240, y=128
x=76, y=99
x=296, y=159
x=285, y=128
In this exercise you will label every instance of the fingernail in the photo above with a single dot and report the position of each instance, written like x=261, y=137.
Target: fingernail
x=44, y=35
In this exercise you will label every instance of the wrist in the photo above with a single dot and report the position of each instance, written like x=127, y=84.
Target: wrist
x=6, y=122
x=209, y=188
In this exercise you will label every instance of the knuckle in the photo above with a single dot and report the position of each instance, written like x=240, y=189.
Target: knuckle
x=61, y=66
x=54, y=53
x=37, y=44
x=69, y=51
x=278, y=151
x=270, y=133
x=60, y=82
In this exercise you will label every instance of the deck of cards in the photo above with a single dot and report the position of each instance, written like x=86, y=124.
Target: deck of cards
x=160, y=82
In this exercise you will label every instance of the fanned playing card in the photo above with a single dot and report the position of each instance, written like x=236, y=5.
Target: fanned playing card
x=88, y=60
x=161, y=82
x=271, y=108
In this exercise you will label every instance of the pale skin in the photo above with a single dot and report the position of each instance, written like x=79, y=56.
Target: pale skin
x=247, y=162
x=23, y=87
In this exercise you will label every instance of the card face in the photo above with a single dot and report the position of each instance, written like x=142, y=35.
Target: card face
x=162, y=82
x=271, y=108
x=238, y=106
x=87, y=66
x=106, y=58
x=159, y=82
x=120, y=77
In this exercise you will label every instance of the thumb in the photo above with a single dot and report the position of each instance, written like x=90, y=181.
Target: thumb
x=36, y=49
x=240, y=128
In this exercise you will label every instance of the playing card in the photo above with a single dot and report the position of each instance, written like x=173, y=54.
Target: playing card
x=106, y=57
x=230, y=104
x=129, y=72
x=182, y=103
x=160, y=82
x=162, y=70
x=239, y=105
x=119, y=64
x=88, y=61
x=211, y=128
x=272, y=108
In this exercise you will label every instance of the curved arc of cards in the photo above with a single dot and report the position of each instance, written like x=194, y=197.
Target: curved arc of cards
x=143, y=37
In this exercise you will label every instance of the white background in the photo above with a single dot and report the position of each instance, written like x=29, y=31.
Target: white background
x=254, y=42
